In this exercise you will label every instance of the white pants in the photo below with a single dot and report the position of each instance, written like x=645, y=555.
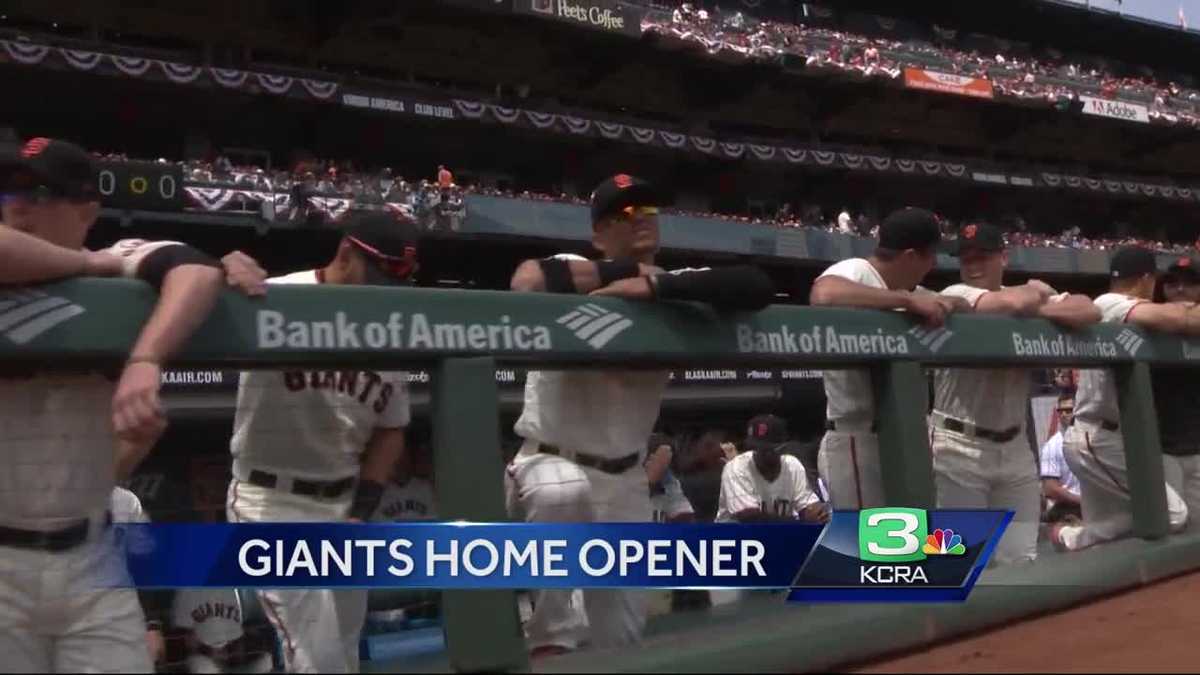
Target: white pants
x=1183, y=475
x=199, y=663
x=973, y=473
x=54, y=617
x=548, y=488
x=849, y=463
x=1097, y=457
x=318, y=628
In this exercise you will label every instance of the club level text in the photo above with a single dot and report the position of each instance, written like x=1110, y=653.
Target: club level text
x=891, y=574
x=821, y=339
x=275, y=331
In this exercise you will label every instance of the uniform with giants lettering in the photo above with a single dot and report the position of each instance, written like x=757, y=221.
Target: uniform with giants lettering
x=56, y=485
x=410, y=500
x=214, y=618
x=297, y=442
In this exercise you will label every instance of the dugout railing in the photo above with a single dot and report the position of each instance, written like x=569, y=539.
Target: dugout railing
x=461, y=336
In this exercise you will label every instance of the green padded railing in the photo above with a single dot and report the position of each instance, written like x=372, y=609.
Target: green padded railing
x=463, y=335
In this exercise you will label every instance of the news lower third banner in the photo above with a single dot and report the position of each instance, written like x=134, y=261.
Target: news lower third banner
x=877, y=555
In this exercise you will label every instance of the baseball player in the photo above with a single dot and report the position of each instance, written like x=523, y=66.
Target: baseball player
x=762, y=484
x=409, y=492
x=981, y=456
x=667, y=501
x=73, y=435
x=127, y=508
x=320, y=447
x=1093, y=446
x=585, y=431
x=848, y=459
x=1177, y=398
x=1060, y=487
x=216, y=640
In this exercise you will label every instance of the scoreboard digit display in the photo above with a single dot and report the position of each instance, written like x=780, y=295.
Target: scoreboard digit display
x=148, y=186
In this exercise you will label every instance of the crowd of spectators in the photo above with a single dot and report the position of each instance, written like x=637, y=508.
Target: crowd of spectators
x=439, y=203
x=1050, y=77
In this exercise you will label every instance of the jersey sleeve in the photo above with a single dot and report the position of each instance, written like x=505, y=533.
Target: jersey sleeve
x=801, y=495
x=396, y=414
x=969, y=293
x=567, y=256
x=854, y=269
x=1115, y=307
x=737, y=489
x=677, y=503
x=133, y=251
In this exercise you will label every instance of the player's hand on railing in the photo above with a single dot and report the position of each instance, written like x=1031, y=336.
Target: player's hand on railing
x=929, y=306
x=632, y=288
x=245, y=274
x=1044, y=289
x=102, y=264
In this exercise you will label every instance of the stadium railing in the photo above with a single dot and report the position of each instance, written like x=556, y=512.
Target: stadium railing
x=463, y=335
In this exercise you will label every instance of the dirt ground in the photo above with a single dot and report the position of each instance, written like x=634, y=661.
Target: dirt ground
x=1153, y=629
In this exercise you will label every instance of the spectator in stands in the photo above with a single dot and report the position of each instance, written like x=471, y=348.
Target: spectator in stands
x=845, y=224
x=445, y=179
x=1060, y=487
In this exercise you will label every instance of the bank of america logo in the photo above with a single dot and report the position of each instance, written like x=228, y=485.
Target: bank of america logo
x=1131, y=341
x=933, y=339
x=25, y=315
x=594, y=324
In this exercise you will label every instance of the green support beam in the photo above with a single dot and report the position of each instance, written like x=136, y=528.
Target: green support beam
x=483, y=628
x=1143, y=451
x=901, y=393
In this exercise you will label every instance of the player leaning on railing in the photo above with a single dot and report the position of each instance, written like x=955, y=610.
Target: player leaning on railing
x=1094, y=446
x=69, y=437
x=585, y=431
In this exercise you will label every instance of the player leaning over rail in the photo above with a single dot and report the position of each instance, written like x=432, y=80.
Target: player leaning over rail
x=585, y=431
x=1093, y=446
x=981, y=455
x=69, y=436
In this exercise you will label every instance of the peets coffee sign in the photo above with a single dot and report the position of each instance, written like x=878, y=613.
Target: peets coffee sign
x=606, y=15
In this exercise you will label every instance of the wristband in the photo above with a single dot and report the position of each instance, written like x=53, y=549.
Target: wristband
x=366, y=499
x=558, y=275
x=143, y=359
x=615, y=270
x=154, y=624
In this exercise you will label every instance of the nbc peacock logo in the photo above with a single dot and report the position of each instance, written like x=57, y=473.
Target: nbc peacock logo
x=944, y=542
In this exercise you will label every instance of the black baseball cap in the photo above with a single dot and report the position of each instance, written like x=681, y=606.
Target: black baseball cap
x=766, y=431
x=619, y=191
x=1130, y=262
x=388, y=241
x=979, y=237
x=1185, y=268
x=61, y=168
x=910, y=227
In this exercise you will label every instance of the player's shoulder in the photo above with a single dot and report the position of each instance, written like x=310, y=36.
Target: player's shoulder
x=1116, y=306
x=301, y=277
x=854, y=269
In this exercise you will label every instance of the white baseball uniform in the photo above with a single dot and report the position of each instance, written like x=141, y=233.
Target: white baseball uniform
x=1054, y=463
x=309, y=426
x=848, y=459
x=973, y=472
x=1097, y=455
x=606, y=414
x=214, y=616
x=743, y=487
x=410, y=500
x=57, y=472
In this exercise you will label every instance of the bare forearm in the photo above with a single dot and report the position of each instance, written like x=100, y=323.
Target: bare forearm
x=1075, y=310
x=383, y=451
x=26, y=259
x=838, y=292
x=185, y=300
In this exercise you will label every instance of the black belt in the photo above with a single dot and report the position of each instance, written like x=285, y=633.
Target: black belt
x=54, y=541
x=619, y=465
x=306, y=488
x=1110, y=426
x=959, y=426
x=831, y=425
